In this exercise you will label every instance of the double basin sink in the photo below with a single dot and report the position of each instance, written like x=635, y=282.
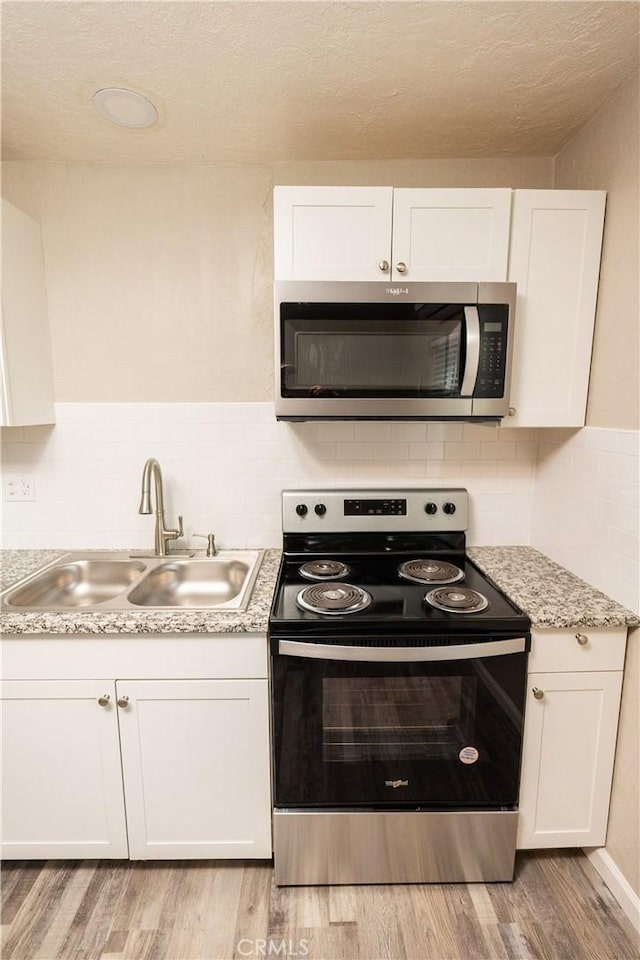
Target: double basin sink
x=119, y=581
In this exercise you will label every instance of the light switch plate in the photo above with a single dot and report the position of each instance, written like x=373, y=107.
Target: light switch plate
x=19, y=486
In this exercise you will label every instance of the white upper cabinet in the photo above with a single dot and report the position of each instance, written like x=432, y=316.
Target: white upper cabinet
x=556, y=239
x=453, y=234
x=25, y=350
x=548, y=242
x=332, y=233
x=378, y=233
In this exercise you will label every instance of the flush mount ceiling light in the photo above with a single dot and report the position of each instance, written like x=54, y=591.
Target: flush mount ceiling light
x=124, y=107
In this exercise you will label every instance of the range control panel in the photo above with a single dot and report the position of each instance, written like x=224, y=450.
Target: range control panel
x=349, y=511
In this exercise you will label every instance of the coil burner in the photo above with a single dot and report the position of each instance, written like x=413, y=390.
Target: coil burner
x=333, y=599
x=430, y=571
x=324, y=570
x=457, y=600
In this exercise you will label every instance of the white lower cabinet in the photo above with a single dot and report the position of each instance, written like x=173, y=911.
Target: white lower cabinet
x=61, y=777
x=571, y=722
x=195, y=759
x=143, y=768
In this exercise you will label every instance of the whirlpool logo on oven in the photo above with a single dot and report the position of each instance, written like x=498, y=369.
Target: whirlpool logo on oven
x=396, y=291
x=396, y=783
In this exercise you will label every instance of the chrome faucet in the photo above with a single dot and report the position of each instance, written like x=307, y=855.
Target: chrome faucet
x=162, y=535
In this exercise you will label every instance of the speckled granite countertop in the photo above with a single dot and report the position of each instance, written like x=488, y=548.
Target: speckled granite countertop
x=17, y=564
x=549, y=594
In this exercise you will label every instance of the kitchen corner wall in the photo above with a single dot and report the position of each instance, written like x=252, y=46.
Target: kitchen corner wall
x=224, y=465
x=586, y=512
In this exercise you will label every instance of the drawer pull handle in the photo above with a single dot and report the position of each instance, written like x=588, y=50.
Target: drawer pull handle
x=582, y=639
x=104, y=700
x=538, y=694
x=123, y=702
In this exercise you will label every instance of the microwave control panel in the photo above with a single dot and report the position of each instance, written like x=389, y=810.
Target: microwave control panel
x=493, y=350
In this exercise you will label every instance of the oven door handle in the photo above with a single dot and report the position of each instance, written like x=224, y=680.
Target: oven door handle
x=463, y=651
x=473, y=352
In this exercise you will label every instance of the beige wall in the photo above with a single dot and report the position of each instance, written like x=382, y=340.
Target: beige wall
x=605, y=155
x=160, y=278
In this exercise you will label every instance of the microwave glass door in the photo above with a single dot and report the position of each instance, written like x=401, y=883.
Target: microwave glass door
x=372, y=350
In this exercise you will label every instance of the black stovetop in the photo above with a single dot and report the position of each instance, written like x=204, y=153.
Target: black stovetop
x=398, y=606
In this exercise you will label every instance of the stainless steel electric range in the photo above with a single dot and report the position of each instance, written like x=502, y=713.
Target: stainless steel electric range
x=398, y=679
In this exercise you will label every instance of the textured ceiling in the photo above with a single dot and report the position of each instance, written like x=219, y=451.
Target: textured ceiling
x=252, y=80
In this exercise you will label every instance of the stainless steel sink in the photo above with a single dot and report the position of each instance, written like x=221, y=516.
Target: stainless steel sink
x=114, y=581
x=213, y=582
x=81, y=583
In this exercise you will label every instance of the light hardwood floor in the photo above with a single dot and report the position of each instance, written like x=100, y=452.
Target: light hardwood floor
x=557, y=909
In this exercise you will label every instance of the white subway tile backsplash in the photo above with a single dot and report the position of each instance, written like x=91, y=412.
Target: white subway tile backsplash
x=224, y=466
x=377, y=431
x=408, y=431
x=501, y=450
x=426, y=451
x=481, y=468
x=462, y=450
x=392, y=451
x=445, y=431
x=338, y=430
x=586, y=507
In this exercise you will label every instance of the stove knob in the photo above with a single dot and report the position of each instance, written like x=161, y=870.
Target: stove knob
x=301, y=509
x=430, y=508
x=449, y=508
x=320, y=509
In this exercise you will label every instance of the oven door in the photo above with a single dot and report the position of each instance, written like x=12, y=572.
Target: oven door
x=398, y=726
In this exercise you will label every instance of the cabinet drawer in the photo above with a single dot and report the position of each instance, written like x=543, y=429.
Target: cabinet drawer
x=577, y=649
x=137, y=656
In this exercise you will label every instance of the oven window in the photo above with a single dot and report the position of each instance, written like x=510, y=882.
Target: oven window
x=433, y=735
x=384, y=718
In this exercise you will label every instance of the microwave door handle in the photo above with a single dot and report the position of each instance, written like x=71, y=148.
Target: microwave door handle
x=466, y=651
x=472, y=322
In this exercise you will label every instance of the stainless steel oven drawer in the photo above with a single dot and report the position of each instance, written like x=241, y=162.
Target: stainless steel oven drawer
x=333, y=847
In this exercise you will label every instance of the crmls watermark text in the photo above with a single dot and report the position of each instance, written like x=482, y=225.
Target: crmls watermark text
x=273, y=948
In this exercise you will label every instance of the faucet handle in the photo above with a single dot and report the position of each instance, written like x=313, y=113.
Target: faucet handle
x=211, y=542
x=180, y=526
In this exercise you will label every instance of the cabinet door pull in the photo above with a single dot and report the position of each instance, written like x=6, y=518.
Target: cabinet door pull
x=401, y=267
x=384, y=265
x=538, y=694
x=123, y=702
x=104, y=700
x=582, y=639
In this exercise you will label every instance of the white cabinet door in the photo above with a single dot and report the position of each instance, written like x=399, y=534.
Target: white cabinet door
x=61, y=776
x=25, y=349
x=568, y=753
x=332, y=233
x=195, y=756
x=556, y=239
x=451, y=234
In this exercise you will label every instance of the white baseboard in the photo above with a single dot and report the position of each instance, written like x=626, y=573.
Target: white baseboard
x=617, y=883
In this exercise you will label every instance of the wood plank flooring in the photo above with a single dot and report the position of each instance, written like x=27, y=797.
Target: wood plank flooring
x=558, y=908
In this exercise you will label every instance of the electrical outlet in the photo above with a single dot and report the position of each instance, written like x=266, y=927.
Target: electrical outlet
x=19, y=486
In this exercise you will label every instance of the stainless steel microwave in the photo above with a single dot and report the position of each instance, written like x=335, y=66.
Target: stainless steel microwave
x=393, y=351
